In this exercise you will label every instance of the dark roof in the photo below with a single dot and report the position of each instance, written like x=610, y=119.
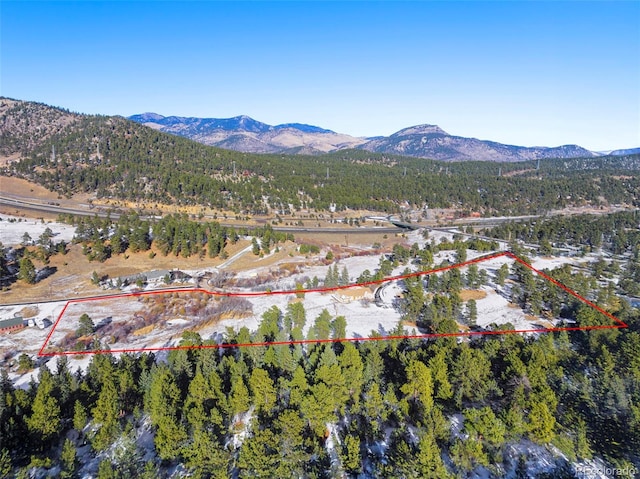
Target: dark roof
x=11, y=322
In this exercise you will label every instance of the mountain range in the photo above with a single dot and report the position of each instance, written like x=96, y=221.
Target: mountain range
x=242, y=133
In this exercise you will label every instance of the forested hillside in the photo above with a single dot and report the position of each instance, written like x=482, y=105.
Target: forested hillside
x=117, y=158
x=615, y=234
x=332, y=410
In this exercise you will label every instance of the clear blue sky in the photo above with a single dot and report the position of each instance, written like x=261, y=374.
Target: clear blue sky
x=527, y=73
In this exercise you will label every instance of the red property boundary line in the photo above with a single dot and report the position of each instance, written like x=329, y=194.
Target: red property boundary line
x=618, y=323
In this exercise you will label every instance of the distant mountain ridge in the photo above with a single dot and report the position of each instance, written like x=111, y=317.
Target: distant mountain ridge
x=430, y=141
x=243, y=133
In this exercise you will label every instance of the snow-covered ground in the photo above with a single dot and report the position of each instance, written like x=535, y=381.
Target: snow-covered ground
x=29, y=340
x=494, y=308
x=11, y=232
x=364, y=316
x=551, y=262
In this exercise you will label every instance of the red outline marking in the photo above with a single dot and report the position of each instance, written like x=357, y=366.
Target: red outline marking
x=619, y=324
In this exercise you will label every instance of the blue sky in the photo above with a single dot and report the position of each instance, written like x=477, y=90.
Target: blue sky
x=526, y=73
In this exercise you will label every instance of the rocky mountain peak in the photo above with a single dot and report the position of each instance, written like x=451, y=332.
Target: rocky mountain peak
x=425, y=129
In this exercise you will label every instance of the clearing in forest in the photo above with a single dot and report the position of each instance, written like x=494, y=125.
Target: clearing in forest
x=155, y=320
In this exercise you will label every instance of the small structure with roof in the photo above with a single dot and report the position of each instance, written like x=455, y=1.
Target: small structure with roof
x=11, y=324
x=353, y=294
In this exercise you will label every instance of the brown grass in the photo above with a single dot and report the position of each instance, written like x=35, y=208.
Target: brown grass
x=251, y=261
x=29, y=311
x=31, y=191
x=221, y=317
x=144, y=330
x=350, y=236
x=544, y=323
x=467, y=294
x=462, y=327
x=74, y=270
x=24, y=188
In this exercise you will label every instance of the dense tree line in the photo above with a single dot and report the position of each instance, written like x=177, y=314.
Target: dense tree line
x=322, y=410
x=171, y=234
x=617, y=233
x=121, y=159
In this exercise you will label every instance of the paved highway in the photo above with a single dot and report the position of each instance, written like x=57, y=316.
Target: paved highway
x=55, y=209
x=48, y=208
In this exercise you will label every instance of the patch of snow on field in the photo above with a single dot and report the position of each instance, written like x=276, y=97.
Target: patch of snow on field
x=539, y=459
x=178, y=322
x=332, y=441
x=494, y=308
x=11, y=232
x=23, y=381
x=551, y=262
x=30, y=339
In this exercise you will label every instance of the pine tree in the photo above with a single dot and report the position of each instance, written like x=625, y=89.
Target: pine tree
x=318, y=408
x=344, y=276
x=473, y=276
x=163, y=406
x=106, y=470
x=263, y=390
x=206, y=457
x=352, y=370
x=374, y=408
x=27, y=271
x=26, y=239
x=440, y=371
x=296, y=317
x=501, y=274
x=69, y=459
x=105, y=415
x=239, y=400
x=429, y=464
x=259, y=455
x=350, y=454
x=45, y=422
x=322, y=326
x=541, y=423
x=85, y=325
x=419, y=385
x=339, y=327
x=298, y=387
x=290, y=429
x=472, y=312
x=198, y=400
x=79, y=416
